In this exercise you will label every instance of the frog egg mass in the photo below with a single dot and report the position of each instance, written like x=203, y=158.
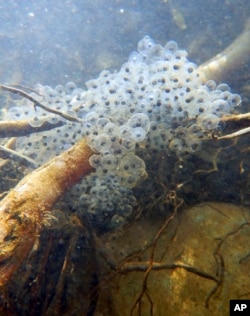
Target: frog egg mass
x=156, y=101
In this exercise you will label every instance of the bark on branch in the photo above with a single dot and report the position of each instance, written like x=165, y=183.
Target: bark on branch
x=22, y=211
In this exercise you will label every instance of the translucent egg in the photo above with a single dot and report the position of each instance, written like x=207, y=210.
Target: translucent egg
x=135, y=58
x=125, y=132
x=190, y=67
x=36, y=122
x=138, y=134
x=101, y=123
x=209, y=121
x=95, y=161
x=142, y=107
x=156, y=52
x=171, y=46
x=151, y=97
x=193, y=144
x=211, y=85
x=92, y=84
x=111, y=129
x=60, y=89
x=70, y=87
x=234, y=100
x=101, y=143
x=51, y=94
x=128, y=144
x=145, y=44
x=139, y=120
x=90, y=121
x=223, y=87
x=176, y=145
x=109, y=161
x=127, y=209
x=132, y=165
x=53, y=119
x=15, y=113
x=219, y=106
x=117, y=221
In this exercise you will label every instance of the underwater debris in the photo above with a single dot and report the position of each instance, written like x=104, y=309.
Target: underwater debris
x=177, y=16
x=23, y=128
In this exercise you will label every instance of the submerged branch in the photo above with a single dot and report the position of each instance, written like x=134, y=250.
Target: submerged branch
x=228, y=61
x=235, y=134
x=22, y=211
x=23, y=128
x=239, y=120
x=236, y=118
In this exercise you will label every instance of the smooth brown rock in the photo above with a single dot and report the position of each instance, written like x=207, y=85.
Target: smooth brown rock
x=201, y=261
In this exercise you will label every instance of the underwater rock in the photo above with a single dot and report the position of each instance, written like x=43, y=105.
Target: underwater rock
x=200, y=262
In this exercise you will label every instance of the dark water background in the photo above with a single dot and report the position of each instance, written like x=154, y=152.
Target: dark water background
x=53, y=42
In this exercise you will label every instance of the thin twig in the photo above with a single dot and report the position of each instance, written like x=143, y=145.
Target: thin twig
x=7, y=153
x=235, y=134
x=25, y=87
x=39, y=104
x=238, y=117
x=220, y=262
x=143, y=266
x=171, y=198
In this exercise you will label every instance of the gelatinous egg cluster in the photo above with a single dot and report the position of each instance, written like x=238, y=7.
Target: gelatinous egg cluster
x=156, y=101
